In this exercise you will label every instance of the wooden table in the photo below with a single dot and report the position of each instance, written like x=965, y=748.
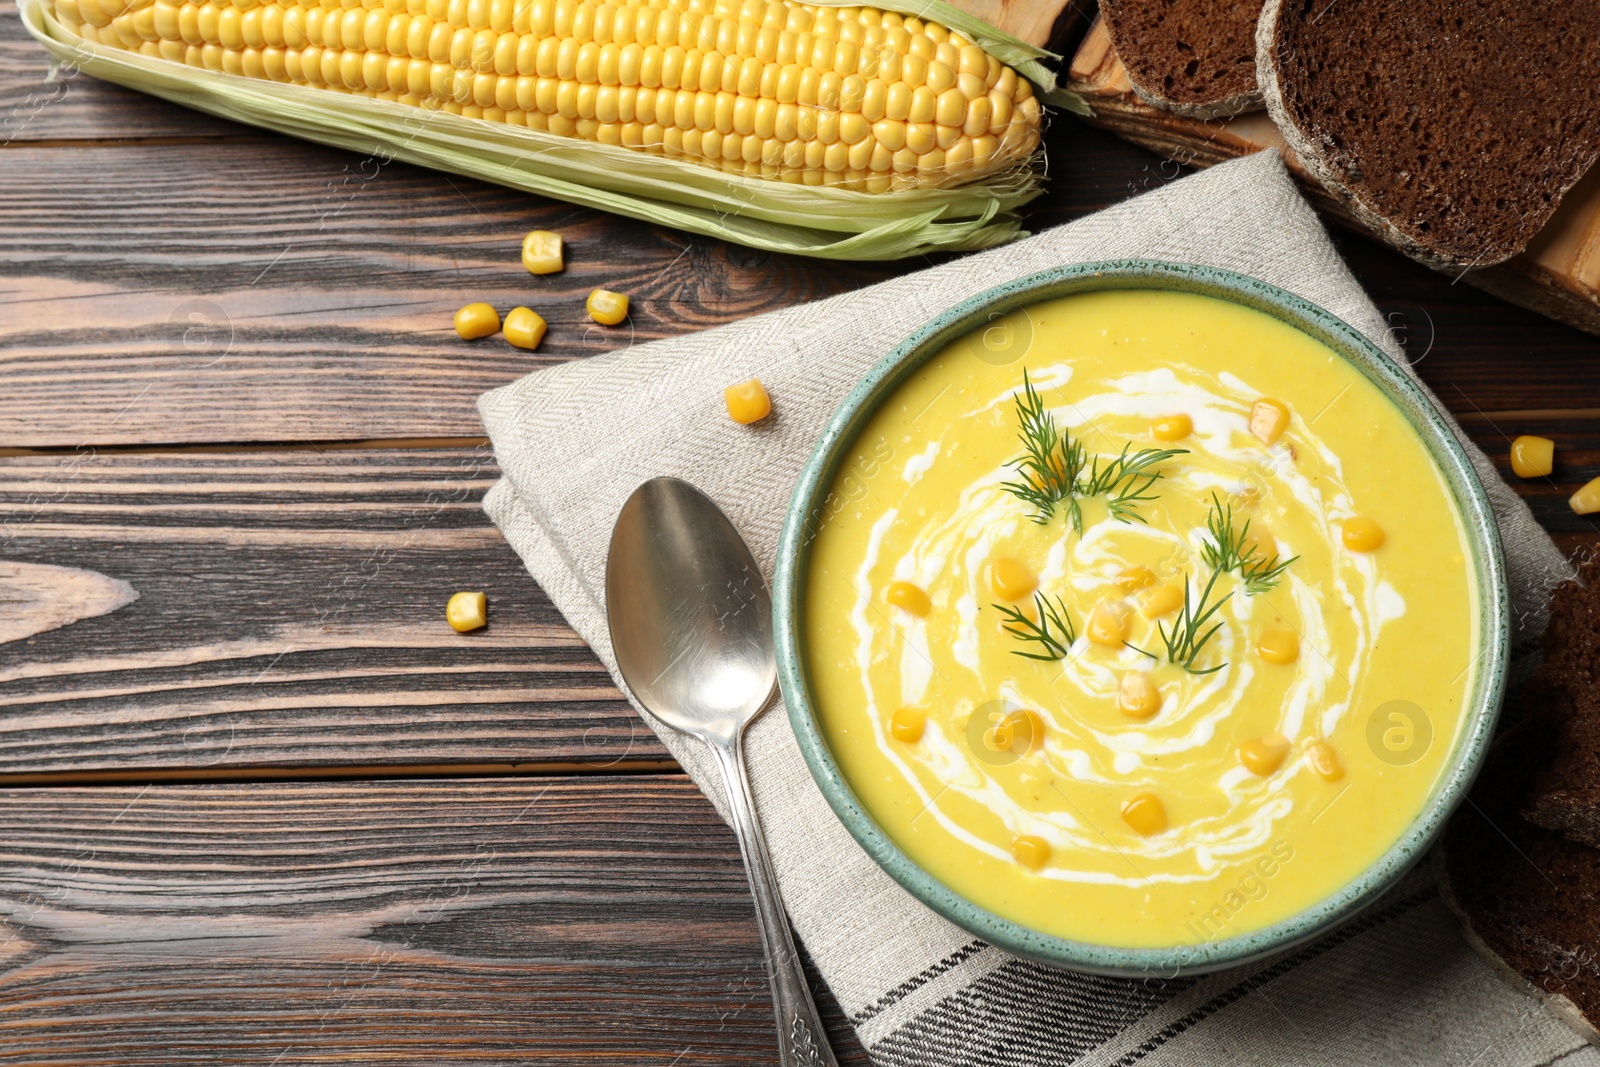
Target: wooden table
x=273, y=811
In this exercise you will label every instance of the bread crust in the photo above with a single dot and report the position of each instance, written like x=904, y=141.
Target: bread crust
x=1218, y=109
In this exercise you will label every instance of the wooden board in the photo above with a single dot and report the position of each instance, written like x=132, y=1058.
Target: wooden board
x=597, y=921
x=1558, y=276
x=275, y=290
x=290, y=614
x=76, y=107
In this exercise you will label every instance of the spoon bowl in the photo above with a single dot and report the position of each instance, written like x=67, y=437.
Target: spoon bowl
x=691, y=618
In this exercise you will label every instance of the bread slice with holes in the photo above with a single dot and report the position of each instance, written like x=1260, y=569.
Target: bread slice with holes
x=1191, y=57
x=1527, y=897
x=1451, y=128
x=1566, y=690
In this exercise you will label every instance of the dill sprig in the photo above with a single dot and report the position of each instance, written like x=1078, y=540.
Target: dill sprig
x=1188, y=635
x=1125, y=481
x=1052, y=468
x=1230, y=549
x=1053, y=631
x=1050, y=462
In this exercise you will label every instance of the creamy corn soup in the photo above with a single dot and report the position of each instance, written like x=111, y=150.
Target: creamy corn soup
x=1161, y=647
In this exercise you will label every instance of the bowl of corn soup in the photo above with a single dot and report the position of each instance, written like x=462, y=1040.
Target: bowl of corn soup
x=1141, y=618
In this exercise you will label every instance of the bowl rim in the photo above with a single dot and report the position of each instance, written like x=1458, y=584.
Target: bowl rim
x=806, y=510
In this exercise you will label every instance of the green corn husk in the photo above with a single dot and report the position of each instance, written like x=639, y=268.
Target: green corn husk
x=778, y=216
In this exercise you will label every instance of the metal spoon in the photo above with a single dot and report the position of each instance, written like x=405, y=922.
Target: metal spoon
x=691, y=626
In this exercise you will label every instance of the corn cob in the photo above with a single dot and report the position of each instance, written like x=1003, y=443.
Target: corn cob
x=853, y=97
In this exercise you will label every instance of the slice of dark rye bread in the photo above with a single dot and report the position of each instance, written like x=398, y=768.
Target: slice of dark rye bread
x=1528, y=898
x=1452, y=128
x=1527, y=893
x=1191, y=57
x=1566, y=690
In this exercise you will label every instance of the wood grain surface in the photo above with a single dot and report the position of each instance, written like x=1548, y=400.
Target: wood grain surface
x=76, y=108
x=595, y=921
x=291, y=614
x=272, y=290
x=36, y=598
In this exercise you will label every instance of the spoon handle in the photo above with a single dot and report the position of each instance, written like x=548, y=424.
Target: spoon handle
x=802, y=1042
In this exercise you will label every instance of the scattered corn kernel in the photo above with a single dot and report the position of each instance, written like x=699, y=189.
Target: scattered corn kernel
x=1138, y=696
x=1030, y=851
x=1172, y=428
x=1324, y=760
x=541, y=252
x=1108, y=623
x=1533, y=457
x=1268, y=419
x=477, y=320
x=524, y=327
x=747, y=401
x=467, y=611
x=1263, y=755
x=1362, y=534
x=1160, y=600
x=1020, y=731
x=1010, y=580
x=1145, y=813
x=1279, y=646
x=907, y=724
x=1586, y=501
x=607, y=308
x=1132, y=579
x=909, y=597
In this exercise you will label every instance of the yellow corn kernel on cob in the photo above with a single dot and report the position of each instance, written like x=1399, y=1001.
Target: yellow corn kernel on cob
x=854, y=97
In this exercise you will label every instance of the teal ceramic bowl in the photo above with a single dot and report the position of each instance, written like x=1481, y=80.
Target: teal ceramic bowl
x=807, y=509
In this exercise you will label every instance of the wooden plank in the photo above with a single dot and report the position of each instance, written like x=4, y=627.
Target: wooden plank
x=494, y=922
x=280, y=292
x=249, y=292
x=76, y=107
x=290, y=613
x=1558, y=275
x=290, y=616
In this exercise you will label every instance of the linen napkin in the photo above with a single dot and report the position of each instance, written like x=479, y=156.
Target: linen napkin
x=1394, y=985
